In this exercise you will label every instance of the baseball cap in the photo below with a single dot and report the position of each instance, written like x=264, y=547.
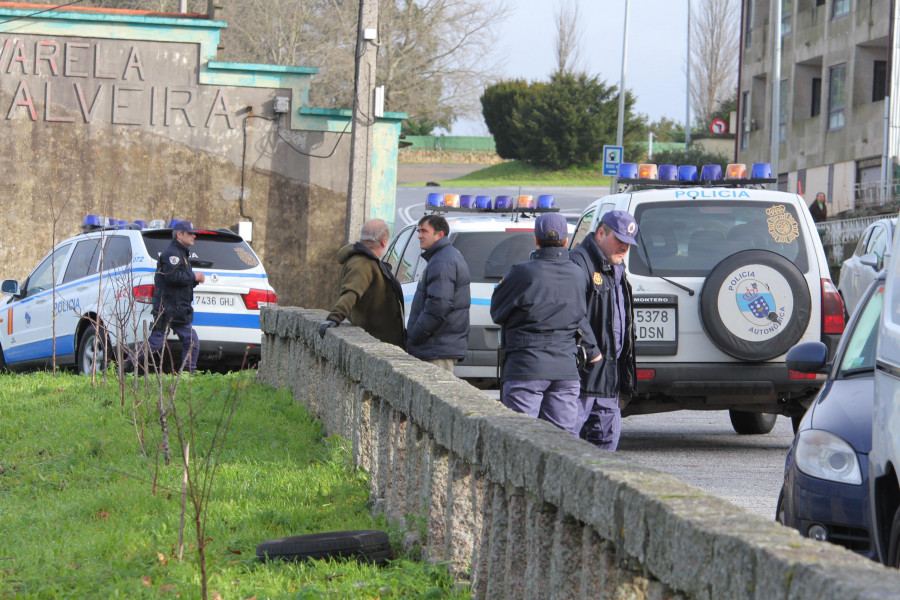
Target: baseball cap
x=622, y=224
x=550, y=222
x=185, y=226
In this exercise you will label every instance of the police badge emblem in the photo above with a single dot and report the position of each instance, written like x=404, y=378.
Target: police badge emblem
x=598, y=279
x=782, y=226
x=174, y=260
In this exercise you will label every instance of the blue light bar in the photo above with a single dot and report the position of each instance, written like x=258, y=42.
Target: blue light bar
x=91, y=221
x=483, y=202
x=467, y=201
x=668, y=172
x=761, y=171
x=141, y=223
x=628, y=171
x=435, y=200
x=711, y=173
x=546, y=201
x=687, y=173
x=503, y=202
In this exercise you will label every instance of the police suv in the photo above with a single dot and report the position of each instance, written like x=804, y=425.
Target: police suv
x=93, y=292
x=492, y=234
x=727, y=276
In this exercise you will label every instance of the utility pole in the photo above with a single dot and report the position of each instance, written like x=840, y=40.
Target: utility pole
x=620, y=124
x=687, y=100
x=776, y=91
x=361, y=136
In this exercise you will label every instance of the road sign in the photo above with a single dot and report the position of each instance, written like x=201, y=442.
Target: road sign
x=718, y=126
x=612, y=158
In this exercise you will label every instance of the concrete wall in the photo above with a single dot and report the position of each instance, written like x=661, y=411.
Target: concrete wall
x=129, y=115
x=521, y=509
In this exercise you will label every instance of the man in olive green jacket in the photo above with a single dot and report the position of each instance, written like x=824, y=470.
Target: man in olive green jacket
x=369, y=294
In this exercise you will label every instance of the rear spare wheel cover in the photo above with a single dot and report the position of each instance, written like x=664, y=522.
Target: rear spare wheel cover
x=755, y=305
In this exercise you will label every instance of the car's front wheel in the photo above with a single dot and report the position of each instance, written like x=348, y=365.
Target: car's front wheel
x=752, y=423
x=92, y=349
x=894, y=542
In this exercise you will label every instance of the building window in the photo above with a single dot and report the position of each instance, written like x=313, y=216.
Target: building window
x=879, y=79
x=745, y=120
x=840, y=8
x=820, y=2
x=787, y=9
x=782, y=110
x=836, y=96
x=815, y=106
x=748, y=23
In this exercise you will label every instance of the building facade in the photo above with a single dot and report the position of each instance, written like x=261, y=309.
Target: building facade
x=129, y=114
x=836, y=112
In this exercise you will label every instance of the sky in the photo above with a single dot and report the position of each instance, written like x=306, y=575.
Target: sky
x=655, y=53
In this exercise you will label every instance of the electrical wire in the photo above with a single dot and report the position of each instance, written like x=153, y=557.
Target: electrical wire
x=40, y=12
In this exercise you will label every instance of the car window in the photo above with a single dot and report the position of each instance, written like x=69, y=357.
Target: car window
x=84, y=260
x=863, y=242
x=688, y=239
x=211, y=250
x=490, y=254
x=116, y=252
x=877, y=243
x=582, y=229
x=859, y=352
x=406, y=271
x=392, y=257
x=42, y=277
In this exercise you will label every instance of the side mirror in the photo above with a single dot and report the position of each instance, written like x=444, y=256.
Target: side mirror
x=10, y=286
x=870, y=260
x=808, y=357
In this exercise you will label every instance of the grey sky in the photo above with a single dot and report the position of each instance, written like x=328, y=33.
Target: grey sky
x=657, y=46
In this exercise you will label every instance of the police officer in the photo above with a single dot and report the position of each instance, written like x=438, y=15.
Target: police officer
x=609, y=305
x=173, y=295
x=541, y=306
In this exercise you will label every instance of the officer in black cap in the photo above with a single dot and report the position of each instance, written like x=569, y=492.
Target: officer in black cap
x=173, y=295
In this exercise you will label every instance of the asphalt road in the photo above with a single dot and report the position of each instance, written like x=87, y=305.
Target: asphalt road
x=701, y=448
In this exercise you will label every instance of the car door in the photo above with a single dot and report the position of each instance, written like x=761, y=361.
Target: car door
x=32, y=317
x=870, y=263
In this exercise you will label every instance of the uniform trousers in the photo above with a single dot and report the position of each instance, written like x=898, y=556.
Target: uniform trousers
x=553, y=401
x=190, y=343
x=602, y=420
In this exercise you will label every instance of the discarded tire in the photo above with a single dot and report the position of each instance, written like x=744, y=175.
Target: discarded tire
x=367, y=544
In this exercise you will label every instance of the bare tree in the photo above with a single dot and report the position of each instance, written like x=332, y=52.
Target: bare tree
x=715, y=28
x=569, y=37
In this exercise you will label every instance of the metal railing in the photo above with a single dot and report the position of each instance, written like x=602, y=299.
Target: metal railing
x=876, y=193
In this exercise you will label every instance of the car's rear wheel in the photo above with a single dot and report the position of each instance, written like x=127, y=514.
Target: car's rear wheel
x=755, y=305
x=92, y=349
x=752, y=423
x=894, y=547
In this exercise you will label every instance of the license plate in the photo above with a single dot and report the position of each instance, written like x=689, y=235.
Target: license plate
x=655, y=324
x=213, y=300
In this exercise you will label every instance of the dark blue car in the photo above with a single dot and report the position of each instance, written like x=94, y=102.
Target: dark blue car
x=826, y=479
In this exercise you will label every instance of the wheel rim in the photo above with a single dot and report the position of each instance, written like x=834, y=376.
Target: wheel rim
x=89, y=361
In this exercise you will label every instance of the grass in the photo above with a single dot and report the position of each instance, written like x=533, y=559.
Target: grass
x=82, y=518
x=520, y=173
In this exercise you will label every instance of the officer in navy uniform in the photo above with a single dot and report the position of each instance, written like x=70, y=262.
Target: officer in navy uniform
x=173, y=295
x=541, y=306
x=610, y=310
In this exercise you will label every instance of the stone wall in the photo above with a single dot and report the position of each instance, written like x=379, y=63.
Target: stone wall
x=520, y=509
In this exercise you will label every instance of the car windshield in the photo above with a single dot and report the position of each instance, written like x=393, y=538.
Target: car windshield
x=490, y=254
x=688, y=239
x=211, y=250
x=859, y=352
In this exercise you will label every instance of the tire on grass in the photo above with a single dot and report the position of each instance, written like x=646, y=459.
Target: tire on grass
x=366, y=544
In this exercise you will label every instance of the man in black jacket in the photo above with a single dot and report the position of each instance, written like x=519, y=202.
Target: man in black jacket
x=610, y=311
x=438, y=327
x=173, y=295
x=541, y=306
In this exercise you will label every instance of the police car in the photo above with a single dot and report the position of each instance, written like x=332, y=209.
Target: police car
x=492, y=234
x=101, y=282
x=727, y=277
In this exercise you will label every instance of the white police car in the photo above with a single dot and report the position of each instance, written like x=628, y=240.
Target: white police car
x=102, y=281
x=492, y=234
x=727, y=277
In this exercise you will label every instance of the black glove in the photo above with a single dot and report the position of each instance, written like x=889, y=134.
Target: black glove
x=325, y=326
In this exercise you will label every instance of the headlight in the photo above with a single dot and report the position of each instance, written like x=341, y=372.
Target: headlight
x=826, y=456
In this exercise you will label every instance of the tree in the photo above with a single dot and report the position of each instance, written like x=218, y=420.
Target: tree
x=568, y=37
x=667, y=130
x=434, y=56
x=715, y=43
x=499, y=103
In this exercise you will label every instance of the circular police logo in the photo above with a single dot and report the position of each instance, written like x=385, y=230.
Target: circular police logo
x=174, y=260
x=755, y=301
x=598, y=279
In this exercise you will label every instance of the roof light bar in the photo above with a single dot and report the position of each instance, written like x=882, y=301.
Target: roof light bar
x=711, y=173
x=467, y=201
x=648, y=171
x=451, y=200
x=546, y=201
x=761, y=171
x=649, y=175
x=736, y=171
x=687, y=173
x=435, y=200
x=668, y=173
x=483, y=202
x=628, y=171
x=503, y=202
x=526, y=202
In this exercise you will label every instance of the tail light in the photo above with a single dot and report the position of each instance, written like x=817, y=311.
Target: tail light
x=143, y=294
x=646, y=373
x=799, y=375
x=256, y=299
x=832, y=309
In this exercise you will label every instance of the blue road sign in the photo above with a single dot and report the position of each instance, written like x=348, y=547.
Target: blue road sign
x=612, y=158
